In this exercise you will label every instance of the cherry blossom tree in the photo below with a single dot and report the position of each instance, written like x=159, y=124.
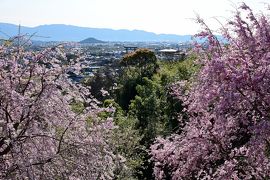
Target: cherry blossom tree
x=227, y=135
x=40, y=136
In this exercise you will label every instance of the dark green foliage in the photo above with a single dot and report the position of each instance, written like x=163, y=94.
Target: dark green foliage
x=145, y=106
x=170, y=72
x=150, y=100
x=144, y=60
x=127, y=88
x=148, y=107
x=136, y=65
x=127, y=141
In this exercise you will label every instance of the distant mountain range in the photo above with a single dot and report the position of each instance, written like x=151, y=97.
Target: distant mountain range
x=60, y=32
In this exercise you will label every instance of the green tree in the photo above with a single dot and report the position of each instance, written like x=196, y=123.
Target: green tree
x=127, y=139
x=135, y=66
x=148, y=98
x=148, y=106
x=143, y=60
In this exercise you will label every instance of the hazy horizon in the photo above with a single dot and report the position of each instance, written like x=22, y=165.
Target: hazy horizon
x=19, y=24
x=160, y=17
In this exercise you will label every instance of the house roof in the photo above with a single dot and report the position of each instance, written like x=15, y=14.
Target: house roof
x=168, y=50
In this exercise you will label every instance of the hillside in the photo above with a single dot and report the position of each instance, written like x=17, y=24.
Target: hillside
x=91, y=41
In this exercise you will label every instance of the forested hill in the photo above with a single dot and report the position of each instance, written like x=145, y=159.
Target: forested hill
x=91, y=40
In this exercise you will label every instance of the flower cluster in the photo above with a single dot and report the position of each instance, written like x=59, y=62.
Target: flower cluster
x=228, y=133
x=40, y=135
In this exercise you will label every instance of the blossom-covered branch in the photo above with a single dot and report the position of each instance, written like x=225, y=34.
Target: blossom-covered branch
x=227, y=135
x=40, y=135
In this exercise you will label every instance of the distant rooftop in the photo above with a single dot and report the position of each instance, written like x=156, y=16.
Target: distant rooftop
x=168, y=50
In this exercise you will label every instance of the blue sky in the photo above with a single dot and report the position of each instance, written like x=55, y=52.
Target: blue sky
x=159, y=16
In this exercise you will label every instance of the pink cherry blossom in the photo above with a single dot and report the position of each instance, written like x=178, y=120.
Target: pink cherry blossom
x=228, y=132
x=40, y=136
